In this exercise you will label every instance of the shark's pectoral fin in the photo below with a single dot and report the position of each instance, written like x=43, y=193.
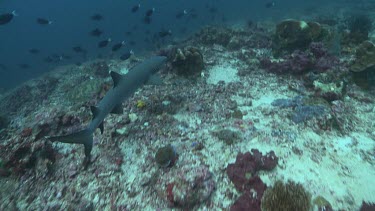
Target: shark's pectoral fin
x=117, y=109
x=116, y=77
x=95, y=111
x=155, y=80
x=101, y=127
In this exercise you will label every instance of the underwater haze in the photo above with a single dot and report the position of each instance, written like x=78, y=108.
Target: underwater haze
x=147, y=105
x=71, y=25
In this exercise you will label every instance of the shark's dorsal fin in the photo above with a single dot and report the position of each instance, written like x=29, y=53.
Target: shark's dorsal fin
x=117, y=109
x=101, y=127
x=116, y=77
x=95, y=111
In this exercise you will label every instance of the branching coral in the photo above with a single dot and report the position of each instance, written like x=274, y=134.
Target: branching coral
x=286, y=197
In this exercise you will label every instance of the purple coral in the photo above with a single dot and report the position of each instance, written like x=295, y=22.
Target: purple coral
x=323, y=60
x=187, y=187
x=296, y=63
x=318, y=50
x=315, y=58
x=243, y=175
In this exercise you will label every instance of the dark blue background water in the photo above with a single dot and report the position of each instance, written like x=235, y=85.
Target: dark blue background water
x=72, y=24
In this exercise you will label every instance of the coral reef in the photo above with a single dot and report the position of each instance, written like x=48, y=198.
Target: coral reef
x=25, y=98
x=359, y=26
x=315, y=58
x=364, y=57
x=322, y=204
x=367, y=206
x=169, y=104
x=243, y=175
x=294, y=35
x=3, y=121
x=85, y=91
x=250, y=200
x=100, y=68
x=187, y=186
x=187, y=61
x=303, y=108
x=37, y=156
x=329, y=91
x=166, y=156
x=289, y=196
x=227, y=135
x=234, y=39
x=363, y=67
x=196, y=117
x=306, y=112
x=214, y=35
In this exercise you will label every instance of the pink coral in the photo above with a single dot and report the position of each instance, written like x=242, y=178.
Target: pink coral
x=243, y=175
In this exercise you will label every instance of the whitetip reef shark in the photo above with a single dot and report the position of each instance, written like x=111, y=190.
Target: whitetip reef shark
x=123, y=87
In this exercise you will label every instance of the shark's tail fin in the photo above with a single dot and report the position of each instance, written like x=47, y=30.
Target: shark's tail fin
x=84, y=137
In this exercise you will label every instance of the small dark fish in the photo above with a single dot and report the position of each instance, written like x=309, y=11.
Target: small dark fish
x=104, y=43
x=128, y=33
x=150, y=12
x=96, y=32
x=270, y=4
x=165, y=33
x=34, y=51
x=126, y=55
x=24, y=66
x=117, y=46
x=78, y=49
x=43, y=21
x=136, y=8
x=7, y=17
x=97, y=17
x=53, y=58
x=181, y=14
x=147, y=20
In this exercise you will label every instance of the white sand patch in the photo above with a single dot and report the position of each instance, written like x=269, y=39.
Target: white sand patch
x=224, y=73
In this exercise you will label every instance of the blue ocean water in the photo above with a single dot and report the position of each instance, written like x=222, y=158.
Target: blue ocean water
x=71, y=25
x=226, y=105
